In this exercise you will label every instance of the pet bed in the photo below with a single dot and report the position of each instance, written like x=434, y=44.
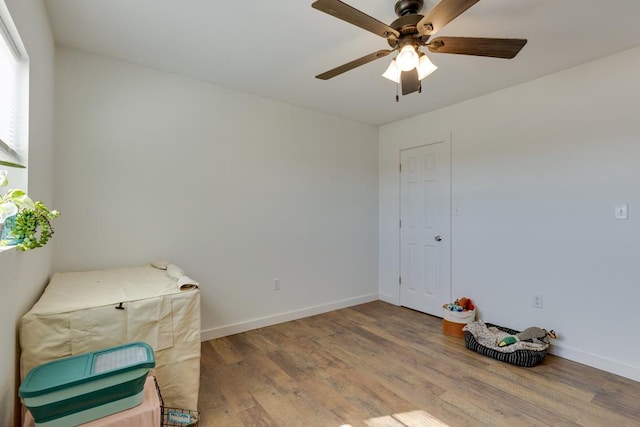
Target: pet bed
x=483, y=338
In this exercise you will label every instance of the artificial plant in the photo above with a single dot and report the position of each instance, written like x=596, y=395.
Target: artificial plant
x=31, y=225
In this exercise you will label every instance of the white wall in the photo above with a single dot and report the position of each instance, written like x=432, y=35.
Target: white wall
x=23, y=275
x=235, y=189
x=537, y=170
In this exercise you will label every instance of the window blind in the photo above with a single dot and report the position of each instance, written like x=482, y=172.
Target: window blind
x=10, y=74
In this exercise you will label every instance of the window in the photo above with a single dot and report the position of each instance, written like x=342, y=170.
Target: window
x=14, y=93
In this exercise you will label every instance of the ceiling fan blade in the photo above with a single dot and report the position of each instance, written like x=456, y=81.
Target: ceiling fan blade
x=478, y=46
x=353, y=64
x=410, y=81
x=353, y=16
x=443, y=13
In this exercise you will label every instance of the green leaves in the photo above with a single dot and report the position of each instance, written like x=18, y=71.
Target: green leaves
x=34, y=226
x=19, y=198
x=32, y=221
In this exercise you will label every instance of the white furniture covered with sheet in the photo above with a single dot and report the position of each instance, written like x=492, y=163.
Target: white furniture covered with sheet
x=88, y=311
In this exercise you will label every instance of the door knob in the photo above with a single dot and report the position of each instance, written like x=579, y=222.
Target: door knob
x=438, y=238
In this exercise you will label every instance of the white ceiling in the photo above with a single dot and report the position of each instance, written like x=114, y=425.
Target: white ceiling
x=275, y=48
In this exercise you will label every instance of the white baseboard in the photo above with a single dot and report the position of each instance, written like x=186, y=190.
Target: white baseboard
x=236, y=328
x=391, y=299
x=595, y=361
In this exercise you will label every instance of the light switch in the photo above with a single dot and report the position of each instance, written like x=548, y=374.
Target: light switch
x=622, y=211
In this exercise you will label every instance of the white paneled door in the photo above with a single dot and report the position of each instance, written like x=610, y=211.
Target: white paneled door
x=425, y=227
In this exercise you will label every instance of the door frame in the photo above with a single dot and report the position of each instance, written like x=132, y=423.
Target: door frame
x=446, y=138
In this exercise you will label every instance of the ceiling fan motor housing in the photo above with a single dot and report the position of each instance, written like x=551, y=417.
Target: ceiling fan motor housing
x=406, y=26
x=407, y=7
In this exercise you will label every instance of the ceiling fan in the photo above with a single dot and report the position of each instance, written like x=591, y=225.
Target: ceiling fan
x=409, y=33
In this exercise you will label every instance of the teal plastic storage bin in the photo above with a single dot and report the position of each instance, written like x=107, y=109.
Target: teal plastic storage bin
x=85, y=387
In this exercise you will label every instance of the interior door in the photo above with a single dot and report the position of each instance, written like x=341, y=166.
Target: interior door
x=425, y=227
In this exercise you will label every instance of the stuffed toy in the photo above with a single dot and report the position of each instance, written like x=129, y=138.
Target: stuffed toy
x=465, y=303
x=529, y=334
x=461, y=304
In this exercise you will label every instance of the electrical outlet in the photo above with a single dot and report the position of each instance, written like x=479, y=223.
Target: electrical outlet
x=536, y=301
x=622, y=211
x=276, y=284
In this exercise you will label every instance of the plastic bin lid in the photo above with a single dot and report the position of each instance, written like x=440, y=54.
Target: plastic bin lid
x=86, y=367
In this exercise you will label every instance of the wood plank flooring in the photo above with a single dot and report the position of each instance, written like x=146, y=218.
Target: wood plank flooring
x=377, y=364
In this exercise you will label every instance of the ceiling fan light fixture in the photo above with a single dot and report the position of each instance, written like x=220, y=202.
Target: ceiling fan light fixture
x=425, y=67
x=392, y=73
x=407, y=59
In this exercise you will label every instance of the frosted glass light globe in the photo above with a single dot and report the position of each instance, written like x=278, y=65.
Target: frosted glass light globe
x=407, y=59
x=425, y=67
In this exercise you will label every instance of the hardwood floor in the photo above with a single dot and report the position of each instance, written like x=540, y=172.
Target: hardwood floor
x=380, y=365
